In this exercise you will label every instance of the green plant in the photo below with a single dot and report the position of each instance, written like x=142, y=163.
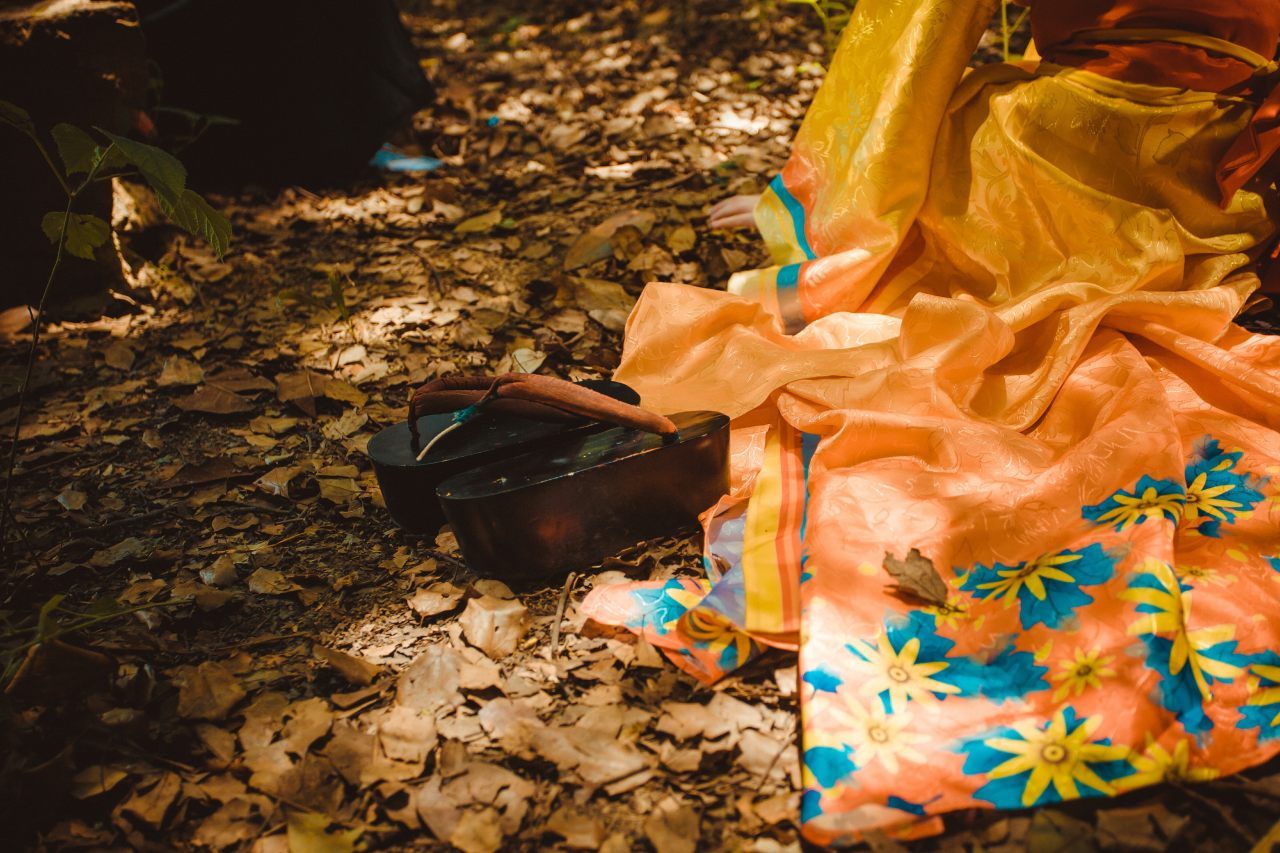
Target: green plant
x=21, y=642
x=87, y=160
x=834, y=14
x=1006, y=31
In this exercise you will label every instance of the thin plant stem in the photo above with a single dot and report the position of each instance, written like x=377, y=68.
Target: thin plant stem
x=1004, y=27
x=36, y=322
x=53, y=167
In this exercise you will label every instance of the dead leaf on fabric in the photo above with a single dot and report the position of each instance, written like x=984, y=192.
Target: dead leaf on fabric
x=208, y=691
x=310, y=833
x=356, y=670
x=494, y=625
x=673, y=827
x=917, y=578
x=435, y=599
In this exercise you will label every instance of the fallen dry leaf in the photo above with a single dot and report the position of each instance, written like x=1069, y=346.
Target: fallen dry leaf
x=152, y=797
x=214, y=400
x=119, y=355
x=479, y=224
x=596, y=244
x=435, y=599
x=579, y=830
x=311, y=833
x=72, y=500
x=673, y=827
x=431, y=681
x=96, y=779
x=270, y=582
x=180, y=371
x=494, y=625
x=354, y=669
x=917, y=578
x=208, y=691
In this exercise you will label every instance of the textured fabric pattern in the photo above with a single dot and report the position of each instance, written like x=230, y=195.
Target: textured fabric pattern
x=999, y=331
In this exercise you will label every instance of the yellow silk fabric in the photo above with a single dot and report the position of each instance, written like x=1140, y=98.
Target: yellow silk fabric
x=991, y=227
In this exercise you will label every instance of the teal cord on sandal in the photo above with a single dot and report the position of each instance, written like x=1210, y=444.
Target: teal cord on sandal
x=460, y=417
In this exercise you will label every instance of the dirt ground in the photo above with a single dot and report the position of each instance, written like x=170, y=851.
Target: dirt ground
x=250, y=655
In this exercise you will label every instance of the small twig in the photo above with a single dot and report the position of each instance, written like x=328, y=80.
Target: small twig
x=23, y=669
x=560, y=608
x=112, y=526
x=786, y=742
x=439, y=556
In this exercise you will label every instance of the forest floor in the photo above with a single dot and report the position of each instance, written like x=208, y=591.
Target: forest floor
x=198, y=459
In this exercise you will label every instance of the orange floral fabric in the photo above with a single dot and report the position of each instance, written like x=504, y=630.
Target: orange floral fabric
x=997, y=329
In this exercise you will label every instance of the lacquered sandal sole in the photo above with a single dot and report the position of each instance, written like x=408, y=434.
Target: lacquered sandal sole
x=409, y=486
x=543, y=514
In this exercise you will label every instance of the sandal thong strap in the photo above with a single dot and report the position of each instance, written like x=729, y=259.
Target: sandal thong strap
x=528, y=395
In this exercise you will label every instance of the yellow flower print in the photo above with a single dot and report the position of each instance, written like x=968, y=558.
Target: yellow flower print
x=1202, y=576
x=1157, y=765
x=1151, y=503
x=1055, y=757
x=710, y=632
x=1172, y=606
x=1204, y=500
x=954, y=613
x=1032, y=575
x=1084, y=670
x=898, y=672
x=1265, y=695
x=877, y=736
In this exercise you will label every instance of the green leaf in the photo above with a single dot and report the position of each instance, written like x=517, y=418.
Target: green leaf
x=15, y=116
x=47, y=624
x=76, y=148
x=192, y=213
x=164, y=172
x=84, y=232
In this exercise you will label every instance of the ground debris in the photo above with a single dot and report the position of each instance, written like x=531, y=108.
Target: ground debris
x=291, y=672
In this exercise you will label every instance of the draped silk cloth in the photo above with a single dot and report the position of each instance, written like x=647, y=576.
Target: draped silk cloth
x=998, y=330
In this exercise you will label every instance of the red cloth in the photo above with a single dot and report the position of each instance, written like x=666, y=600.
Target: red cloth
x=1253, y=24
